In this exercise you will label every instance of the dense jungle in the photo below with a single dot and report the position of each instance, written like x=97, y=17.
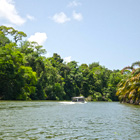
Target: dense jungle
x=26, y=74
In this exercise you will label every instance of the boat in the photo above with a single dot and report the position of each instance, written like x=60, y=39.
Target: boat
x=80, y=99
x=75, y=100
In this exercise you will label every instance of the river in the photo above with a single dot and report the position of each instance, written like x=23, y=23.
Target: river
x=41, y=120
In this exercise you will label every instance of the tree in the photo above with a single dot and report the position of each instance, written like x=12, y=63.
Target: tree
x=71, y=88
x=16, y=79
x=26, y=74
x=114, y=78
x=3, y=39
x=54, y=88
x=28, y=85
x=17, y=35
x=129, y=87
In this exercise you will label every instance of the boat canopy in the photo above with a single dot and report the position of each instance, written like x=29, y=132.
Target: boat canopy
x=78, y=99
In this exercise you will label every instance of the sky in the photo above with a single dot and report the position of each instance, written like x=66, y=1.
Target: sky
x=85, y=31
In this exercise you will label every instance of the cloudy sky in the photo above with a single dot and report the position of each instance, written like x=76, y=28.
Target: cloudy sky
x=104, y=31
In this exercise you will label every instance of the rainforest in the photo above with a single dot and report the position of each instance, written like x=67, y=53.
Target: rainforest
x=26, y=74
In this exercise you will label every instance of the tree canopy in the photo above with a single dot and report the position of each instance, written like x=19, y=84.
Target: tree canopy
x=26, y=74
x=129, y=87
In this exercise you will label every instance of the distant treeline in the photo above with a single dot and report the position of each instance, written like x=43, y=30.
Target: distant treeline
x=25, y=74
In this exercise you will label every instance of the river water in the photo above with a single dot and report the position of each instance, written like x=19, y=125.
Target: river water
x=66, y=121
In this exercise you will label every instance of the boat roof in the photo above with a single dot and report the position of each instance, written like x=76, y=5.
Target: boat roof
x=81, y=97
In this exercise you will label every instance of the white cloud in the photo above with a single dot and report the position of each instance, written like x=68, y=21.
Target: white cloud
x=77, y=16
x=40, y=38
x=30, y=17
x=9, y=12
x=74, y=4
x=60, y=18
x=67, y=59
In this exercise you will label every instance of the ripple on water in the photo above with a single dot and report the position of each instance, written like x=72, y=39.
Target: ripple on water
x=54, y=120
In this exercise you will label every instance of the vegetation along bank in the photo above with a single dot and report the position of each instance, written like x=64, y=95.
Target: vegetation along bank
x=25, y=74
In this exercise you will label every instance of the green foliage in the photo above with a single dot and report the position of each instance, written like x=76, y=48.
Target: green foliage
x=3, y=39
x=17, y=81
x=97, y=96
x=28, y=82
x=27, y=75
x=17, y=35
x=129, y=87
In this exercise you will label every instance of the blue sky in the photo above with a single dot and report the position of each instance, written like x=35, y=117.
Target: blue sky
x=104, y=31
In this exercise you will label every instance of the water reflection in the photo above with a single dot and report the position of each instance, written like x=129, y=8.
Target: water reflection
x=55, y=120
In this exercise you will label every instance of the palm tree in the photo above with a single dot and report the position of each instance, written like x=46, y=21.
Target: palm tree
x=129, y=87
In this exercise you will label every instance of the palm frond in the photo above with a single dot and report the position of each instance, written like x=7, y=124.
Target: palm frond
x=126, y=68
x=135, y=78
x=132, y=93
x=136, y=64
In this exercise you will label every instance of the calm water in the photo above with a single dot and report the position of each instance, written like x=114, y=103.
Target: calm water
x=65, y=121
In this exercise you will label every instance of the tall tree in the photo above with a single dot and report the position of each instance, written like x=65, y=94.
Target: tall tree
x=15, y=79
x=17, y=35
x=129, y=87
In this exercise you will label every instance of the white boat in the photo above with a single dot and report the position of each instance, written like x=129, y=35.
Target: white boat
x=80, y=99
